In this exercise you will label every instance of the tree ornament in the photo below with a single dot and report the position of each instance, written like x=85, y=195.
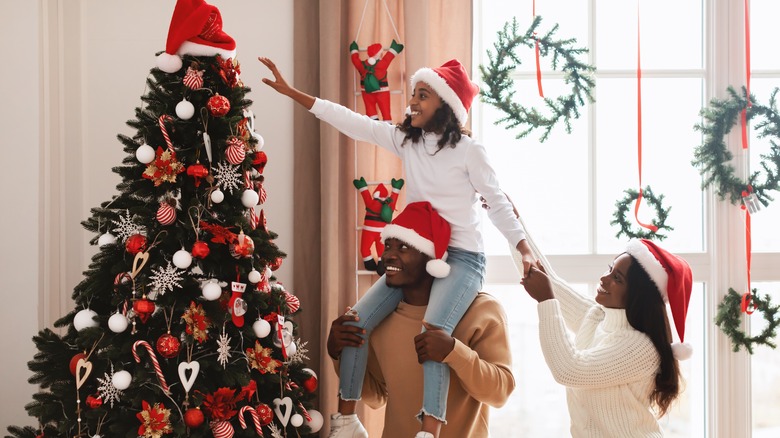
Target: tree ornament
x=254, y=276
x=182, y=259
x=217, y=196
x=236, y=305
x=255, y=419
x=249, y=198
x=108, y=392
x=285, y=336
x=228, y=176
x=729, y=319
x=193, y=418
x=275, y=264
x=661, y=215
x=193, y=79
x=374, y=86
x=78, y=356
x=153, y=359
x=136, y=244
x=166, y=279
x=262, y=328
x=222, y=429
x=94, y=402
x=185, y=110
x=499, y=91
x=311, y=382
x=379, y=206
x=164, y=168
x=197, y=171
x=223, y=347
x=316, y=421
x=143, y=308
x=168, y=346
x=200, y=249
x=85, y=319
x=235, y=151
x=144, y=154
x=218, y=105
x=291, y=349
x=121, y=380
x=106, y=239
x=259, y=160
x=265, y=414
x=243, y=247
x=296, y=420
x=166, y=214
x=122, y=280
x=193, y=368
x=118, y=323
x=283, y=415
x=125, y=227
x=211, y=290
x=155, y=420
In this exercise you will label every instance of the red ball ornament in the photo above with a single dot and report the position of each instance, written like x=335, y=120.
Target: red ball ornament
x=168, y=346
x=197, y=171
x=136, y=243
x=193, y=418
x=75, y=360
x=265, y=413
x=200, y=249
x=259, y=160
x=94, y=402
x=166, y=214
x=275, y=264
x=144, y=309
x=311, y=384
x=218, y=105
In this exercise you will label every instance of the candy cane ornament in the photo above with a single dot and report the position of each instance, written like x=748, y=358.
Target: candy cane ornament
x=255, y=419
x=155, y=363
x=166, y=118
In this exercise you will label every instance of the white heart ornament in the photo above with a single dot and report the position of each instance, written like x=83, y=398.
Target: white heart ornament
x=287, y=402
x=85, y=366
x=187, y=382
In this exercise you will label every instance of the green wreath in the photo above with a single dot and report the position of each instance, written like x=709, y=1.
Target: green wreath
x=499, y=93
x=661, y=214
x=729, y=319
x=712, y=156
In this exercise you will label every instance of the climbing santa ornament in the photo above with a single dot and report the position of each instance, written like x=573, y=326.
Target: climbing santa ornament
x=379, y=212
x=373, y=77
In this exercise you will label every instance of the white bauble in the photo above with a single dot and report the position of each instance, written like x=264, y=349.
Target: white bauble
x=106, y=239
x=85, y=319
x=118, y=323
x=217, y=196
x=121, y=380
x=182, y=259
x=260, y=141
x=262, y=328
x=185, y=110
x=145, y=154
x=211, y=290
x=296, y=420
x=250, y=198
x=316, y=420
x=254, y=276
x=291, y=349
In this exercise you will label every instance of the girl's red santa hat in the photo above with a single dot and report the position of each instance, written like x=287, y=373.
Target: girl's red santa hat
x=421, y=227
x=196, y=29
x=451, y=82
x=674, y=279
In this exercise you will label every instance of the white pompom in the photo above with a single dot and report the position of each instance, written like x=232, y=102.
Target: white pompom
x=217, y=196
x=185, y=110
x=211, y=291
x=249, y=198
x=262, y=328
x=254, y=276
x=296, y=420
x=106, y=239
x=316, y=420
x=437, y=268
x=168, y=63
x=682, y=351
x=371, y=61
x=182, y=259
x=85, y=319
x=145, y=154
x=117, y=323
x=121, y=380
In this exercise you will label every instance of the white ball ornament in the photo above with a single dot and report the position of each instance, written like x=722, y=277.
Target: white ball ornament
x=250, y=198
x=145, y=154
x=106, y=239
x=118, y=323
x=217, y=196
x=254, y=276
x=182, y=259
x=211, y=290
x=262, y=328
x=260, y=141
x=185, y=110
x=85, y=319
x=296, y=420
x=316, y=420
x=291, y=349
x=121, y=380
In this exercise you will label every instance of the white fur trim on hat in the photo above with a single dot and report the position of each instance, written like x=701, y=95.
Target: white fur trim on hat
x=195, y=49
x=650, y=264
x=445, y=92
x=410, y=237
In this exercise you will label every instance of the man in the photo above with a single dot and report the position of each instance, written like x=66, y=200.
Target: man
x=478, y=353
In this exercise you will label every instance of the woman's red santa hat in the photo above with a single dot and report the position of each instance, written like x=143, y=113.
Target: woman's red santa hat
x=421, y=227
x=451, y=82
x=196, y=29
x=673, y=277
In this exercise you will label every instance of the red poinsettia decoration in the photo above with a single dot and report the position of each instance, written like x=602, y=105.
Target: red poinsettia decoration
x=220, y=405
x=260, y=359
x=229, y=70
x=164, y=168
x=155, y=420
x=197, y=323
x=220, y=234
x=249, y=390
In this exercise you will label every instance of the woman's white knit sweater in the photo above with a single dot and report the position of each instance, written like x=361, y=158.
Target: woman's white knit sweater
x=608, y=368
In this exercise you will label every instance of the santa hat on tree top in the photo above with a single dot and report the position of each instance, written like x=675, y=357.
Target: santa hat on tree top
x=196, y=29
x=373, y=52
x=421, y=227
x=673, y=277
x=451, y=82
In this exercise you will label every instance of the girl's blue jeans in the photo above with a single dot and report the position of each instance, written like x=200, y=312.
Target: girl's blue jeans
x=450, y=297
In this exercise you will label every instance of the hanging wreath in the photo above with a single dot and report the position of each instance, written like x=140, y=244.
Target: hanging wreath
x=729, y=319
x=499, y=93
x=712, y=156
x=656, y=202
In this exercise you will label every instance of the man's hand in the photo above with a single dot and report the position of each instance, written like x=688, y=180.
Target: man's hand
x=342, y=335
x=538, y=284
x=435, y=344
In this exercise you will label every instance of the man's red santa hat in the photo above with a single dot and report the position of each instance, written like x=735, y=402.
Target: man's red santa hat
x=451, y=82
x=421, y=227
x=196, y=29
x=673, y=277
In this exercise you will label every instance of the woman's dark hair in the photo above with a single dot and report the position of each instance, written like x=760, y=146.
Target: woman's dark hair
x=443, y=122
x=646, y=312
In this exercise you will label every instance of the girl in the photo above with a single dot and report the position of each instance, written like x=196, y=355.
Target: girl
x=446, y=167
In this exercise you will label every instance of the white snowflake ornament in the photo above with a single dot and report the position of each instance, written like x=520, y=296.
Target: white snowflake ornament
x=228, y=176
x=108, y=392
x=125, y=227
x=166, y=279
x=223, y=348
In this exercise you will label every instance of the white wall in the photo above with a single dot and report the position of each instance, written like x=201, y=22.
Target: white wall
x=93, y=63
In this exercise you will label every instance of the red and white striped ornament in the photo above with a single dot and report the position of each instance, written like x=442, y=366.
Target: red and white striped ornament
x=153, y=358
x=293, y=303
x=255, y=419
x=193, y=79
x=261, y=191
x=236, y=151
x=222, y=429
x=166, y=214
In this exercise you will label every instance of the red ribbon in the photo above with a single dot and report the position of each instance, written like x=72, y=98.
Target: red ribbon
x=536, y=50
x=747, y=299
x=743, y=115
x=650, y=227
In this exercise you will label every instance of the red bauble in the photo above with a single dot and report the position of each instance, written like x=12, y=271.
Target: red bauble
x=136, y=243
x=276, y=264
x=168, y=346
x=265, y=413
x=218, y=105
x=94, y=402
x=75, y=360
x=197, y=171
x=242, y=247
x=144, y=309
x=200, y=249
x=193, y=418
x=259, y=160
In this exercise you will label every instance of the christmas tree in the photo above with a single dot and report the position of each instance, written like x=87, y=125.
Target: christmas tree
x=180, y=327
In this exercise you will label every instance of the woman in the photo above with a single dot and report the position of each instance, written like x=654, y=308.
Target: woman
x=620, y=369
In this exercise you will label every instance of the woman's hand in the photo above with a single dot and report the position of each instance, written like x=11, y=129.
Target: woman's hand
x=538, y=284
x=280, y=85
x=342, y=335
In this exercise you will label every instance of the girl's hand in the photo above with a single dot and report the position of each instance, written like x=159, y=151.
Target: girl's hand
x=538, y=284
x=278, y=84
x=342, y=335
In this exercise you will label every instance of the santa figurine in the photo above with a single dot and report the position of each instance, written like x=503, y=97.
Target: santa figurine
x=373, y=77
x=379, y=212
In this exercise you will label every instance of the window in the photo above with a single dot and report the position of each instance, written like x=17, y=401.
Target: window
x=566, y=189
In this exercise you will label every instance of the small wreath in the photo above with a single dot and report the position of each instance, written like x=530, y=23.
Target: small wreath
x=499, y=91
x=712, y=156
x=661, y=214
x=729, y=319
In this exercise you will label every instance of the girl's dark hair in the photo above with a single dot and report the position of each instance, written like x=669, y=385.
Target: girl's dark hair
x=443, y=122
x=646, y=312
